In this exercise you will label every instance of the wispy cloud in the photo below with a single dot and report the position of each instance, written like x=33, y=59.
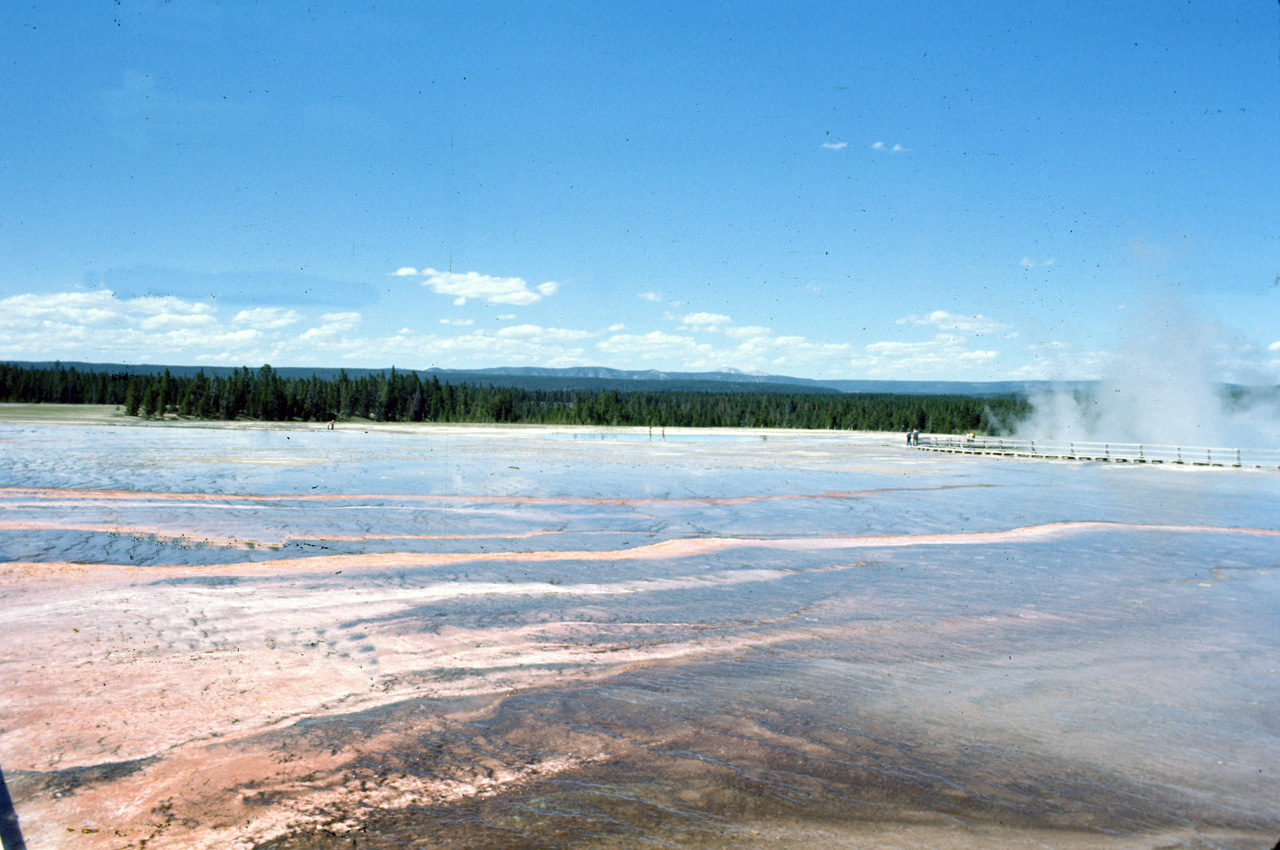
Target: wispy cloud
x=974, y=325
x=545, y=335
x=99, y=307
x=835, y=146
x=748, y=332
x=656, y=347
x=334, y=326
x=881, y=146
x=482, y=287
x=98, y=325
x=705, y=321
x=951, y=351
x=753, y=349
x=1028, y=263
x=267, y=318
x=655, y=297
x=944, y=354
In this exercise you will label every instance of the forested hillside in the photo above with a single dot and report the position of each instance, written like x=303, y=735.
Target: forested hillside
x=405, y=397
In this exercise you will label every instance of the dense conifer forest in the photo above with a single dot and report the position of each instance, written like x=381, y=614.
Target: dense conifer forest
x=405, y=397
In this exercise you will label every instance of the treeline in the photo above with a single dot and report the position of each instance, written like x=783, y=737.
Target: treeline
x=406, y=397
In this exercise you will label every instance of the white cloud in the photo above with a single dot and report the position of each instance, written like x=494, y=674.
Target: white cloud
x=95, y=307
x=835, y=146
x=656, y=346
x=1027, y=263
x=173, y=321
x=754, y=348
x=99, y=326
x=949, y=353
x=267, y=318
x=942, y=354
x=878, y=146
x=1275, y=346
x=553, y=347
x=900, y=349
x=345, y=320
x=541, y=334
x=898, y=148
x=747, y=332
x=157, y=305
x=494, y=290
x=941, y=319
x=334, y=327
x=705, y=321
x=404, y=271
x=1055, y=358
x=650, y=296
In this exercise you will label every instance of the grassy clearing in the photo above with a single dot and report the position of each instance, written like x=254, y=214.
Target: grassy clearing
x=64, y=413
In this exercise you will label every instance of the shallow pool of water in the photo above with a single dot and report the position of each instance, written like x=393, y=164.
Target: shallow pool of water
x=489, y=638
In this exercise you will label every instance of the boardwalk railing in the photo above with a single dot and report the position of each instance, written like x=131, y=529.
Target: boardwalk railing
x=1106, y=452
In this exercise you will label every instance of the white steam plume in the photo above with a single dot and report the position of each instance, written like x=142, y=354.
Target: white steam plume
x=1165, y=388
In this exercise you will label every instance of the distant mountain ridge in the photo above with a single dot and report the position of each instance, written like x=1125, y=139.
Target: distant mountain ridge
x=595, y=378
x=728, y=374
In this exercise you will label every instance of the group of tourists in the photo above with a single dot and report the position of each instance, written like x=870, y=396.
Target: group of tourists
x=913, y=437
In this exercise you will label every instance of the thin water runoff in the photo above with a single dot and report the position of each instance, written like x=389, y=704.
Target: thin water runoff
x=392, y=637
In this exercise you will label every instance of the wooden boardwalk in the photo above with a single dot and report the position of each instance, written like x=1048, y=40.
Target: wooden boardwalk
x=1103, y=452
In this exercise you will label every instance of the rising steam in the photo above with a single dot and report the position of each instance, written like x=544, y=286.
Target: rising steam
x=1167, y=387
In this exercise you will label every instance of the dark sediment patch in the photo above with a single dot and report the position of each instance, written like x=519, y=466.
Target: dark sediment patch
x=655, y=763
x=26, y=784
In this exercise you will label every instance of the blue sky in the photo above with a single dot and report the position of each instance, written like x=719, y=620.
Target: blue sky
x=852, y=190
